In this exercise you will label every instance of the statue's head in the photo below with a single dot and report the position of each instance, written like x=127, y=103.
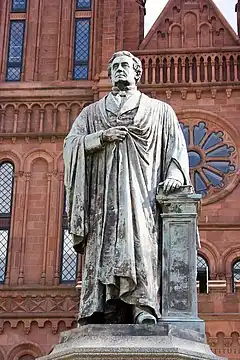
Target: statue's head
x=124, y=69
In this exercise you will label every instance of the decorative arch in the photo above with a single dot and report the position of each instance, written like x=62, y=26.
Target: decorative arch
x=229, y=256
x=205, y=31
x=27, y=348
x=211, y=254
x=49, y=104
x=12, y=156
x=29, y=158
x=175, y=31
x=36, y=104
x=204, y=23
x=213, y=145
x=190, y=29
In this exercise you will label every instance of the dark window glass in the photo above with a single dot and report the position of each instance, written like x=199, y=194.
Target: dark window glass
x=15, y=50
x=6, y=189
x=81, y=49
x=235, y=273
x=202, y=274
x=83, y=4
x=69, y=258
x=19, y=5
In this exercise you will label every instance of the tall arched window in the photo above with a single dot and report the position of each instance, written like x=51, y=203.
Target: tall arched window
x=69, y=258
x=235, y=273
x=6, y=194
x=202, y=274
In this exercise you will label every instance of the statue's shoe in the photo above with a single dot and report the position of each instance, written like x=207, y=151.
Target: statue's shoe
x=144, y=317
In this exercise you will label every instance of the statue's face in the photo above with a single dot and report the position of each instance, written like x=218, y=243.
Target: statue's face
x=122, y=70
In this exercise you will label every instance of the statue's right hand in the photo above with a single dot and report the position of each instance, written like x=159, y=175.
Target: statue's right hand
x=117, y=133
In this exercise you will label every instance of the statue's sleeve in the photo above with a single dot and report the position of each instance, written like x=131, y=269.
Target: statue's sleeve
x=176, y=156
x=76, y=146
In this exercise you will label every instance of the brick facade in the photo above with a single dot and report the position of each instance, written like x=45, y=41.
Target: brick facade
x=191, y=60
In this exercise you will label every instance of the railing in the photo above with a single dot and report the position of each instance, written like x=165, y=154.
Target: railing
x=190, y=68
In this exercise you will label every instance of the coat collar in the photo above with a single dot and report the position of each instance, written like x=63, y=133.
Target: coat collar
x=142, y=109
x=132, y=102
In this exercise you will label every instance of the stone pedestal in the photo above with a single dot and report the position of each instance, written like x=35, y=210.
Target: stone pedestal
x=180, y=334
x=179, y=257
x=132, y=342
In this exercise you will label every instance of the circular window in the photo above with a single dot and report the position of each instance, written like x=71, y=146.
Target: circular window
x=212, y=157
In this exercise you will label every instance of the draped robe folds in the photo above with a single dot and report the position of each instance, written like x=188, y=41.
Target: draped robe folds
x=111, y=201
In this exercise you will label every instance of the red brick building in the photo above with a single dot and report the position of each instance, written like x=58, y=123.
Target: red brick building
x=53, y=61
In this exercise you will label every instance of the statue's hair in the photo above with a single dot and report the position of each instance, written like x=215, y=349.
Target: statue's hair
x=137, y=65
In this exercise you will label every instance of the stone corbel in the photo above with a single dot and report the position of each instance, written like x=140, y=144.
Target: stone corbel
x=198, y=93
x=213, y=92
x=184, y=94
x=168, y=94
x=229, y=92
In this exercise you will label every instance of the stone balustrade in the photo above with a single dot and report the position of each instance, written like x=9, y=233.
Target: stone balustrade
x=197, y=67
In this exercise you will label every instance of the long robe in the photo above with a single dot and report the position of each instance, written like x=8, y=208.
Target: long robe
x=111, y=201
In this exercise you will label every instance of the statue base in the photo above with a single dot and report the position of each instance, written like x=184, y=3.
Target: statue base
x=132, y=342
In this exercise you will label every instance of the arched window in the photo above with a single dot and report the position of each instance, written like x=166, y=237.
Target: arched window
x=202, y=274
x=69, y=258
x=235, y=273
x=6, y=194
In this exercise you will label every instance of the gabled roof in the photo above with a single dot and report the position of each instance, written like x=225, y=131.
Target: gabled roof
x=183, y=7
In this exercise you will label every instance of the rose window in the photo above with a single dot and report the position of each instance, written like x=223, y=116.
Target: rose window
x=212, y=157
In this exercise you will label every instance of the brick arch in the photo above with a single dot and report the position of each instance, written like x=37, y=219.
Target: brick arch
x=228, y=258
x=173, y=25
x=5, y=106
x=26, y=348
x=13, y=157
x=175, y=41
x=36, y=104
x=80, y=104
x=218, y=121
x=211, y=254
x=36, y=154
x=204, y=23
x=49, y=103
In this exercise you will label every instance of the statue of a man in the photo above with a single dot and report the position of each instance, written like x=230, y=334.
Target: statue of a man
x=118, y=151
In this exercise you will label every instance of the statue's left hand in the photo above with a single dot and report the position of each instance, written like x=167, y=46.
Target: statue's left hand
x=169, y=185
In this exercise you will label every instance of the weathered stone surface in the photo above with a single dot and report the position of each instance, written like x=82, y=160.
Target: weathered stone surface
x=153, y=342
x=179, y=255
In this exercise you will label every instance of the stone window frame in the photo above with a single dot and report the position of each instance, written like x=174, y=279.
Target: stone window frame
x=67, y=251
x=18, y=9
x=82, y=63
x=5, y=223
x=235, y=272
x=21, y=40
x=203, y=276
x=82, y=6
